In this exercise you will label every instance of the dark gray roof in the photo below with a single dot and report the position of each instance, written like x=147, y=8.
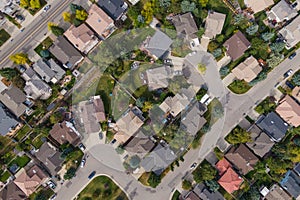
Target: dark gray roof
x=12, y=192
x=201, y=191
x=158, y=44
x=297, y=169
x=43, y=70
x=291, y=183
x=65, y=52
x=59, y=72
x=185, y=25
x=6, y=121
x=114, y=8
x=273, y=125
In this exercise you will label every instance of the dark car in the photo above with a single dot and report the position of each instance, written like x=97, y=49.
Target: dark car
x=292, y=55
x=288, y=73
x=113, y=141
x=92, y=174
x=289, y=84
x=100, y=135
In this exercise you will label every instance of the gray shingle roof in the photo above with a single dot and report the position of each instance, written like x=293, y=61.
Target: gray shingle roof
x=43, y=70
x=202, y=192
x=291, y=183
x=6, y=121
x=114, y=8
x=158, y=44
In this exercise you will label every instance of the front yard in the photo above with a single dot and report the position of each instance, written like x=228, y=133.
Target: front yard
x=266, y=106
x=239, y=86
x=4, y=36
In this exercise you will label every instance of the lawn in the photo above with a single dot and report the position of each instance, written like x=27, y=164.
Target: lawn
x=4, y=176
x=266, y=106
x=21, y=161
x=45, y=44
x=120, y=101
x=214, y=112
x=22, y=132
x=4, y=36
x=239, y=86
x=74, y=158
x=102, y=187
x=176, y=195
x=41, y=193
x=37, y=141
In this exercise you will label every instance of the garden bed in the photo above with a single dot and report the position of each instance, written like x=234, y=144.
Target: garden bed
x=239, y=87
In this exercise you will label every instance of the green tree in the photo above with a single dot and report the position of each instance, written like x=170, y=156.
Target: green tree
x=259, y=48
x=201, y=68
x=274, y=60
x=187, y=6
x=55, y=29
x=45, y=53
x=217, y=52
x=277, y=46
x=70, y=173
x=165, y=3
x=224, y=71
x=278, y=166
x=81, y=15
x=35, y=4
x=204, y=172
x=251, y=30
x=74, y=7
x=154, y=180
x=212, y=185
x=296, y=79
x=186, y=185
x=147, y=106
x=238, y=136
x=19, y=58
x=24, y=3
x=203, y=3
x=147, y=12
x=267, y=36
x=200, y=32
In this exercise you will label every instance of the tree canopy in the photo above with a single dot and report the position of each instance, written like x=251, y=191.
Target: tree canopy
x=19, y=58
x=204, y=172
x=35, y=4
x=238, y=136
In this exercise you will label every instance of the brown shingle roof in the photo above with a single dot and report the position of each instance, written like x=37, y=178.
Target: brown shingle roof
x=65, y=132
x=289, y=110
x=237, y=45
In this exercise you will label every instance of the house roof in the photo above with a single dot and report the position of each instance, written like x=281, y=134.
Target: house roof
x=273, y=126
x=159, y=159
x=276, y=192
x=12, y=192
x=98, y=20
x=222, y=166
x=185, y=25
x=261, y=143
x=36, y=88
x=282, y=11
x=65, y=52
x=6, y=121
x=28, y=181
x=242, y=158
x=158, y=44
x=297, y=169
x=114, y=8
x=189, y=196
x=230, y=180
x=59, y=72
x=140, y=144
x=193, y=120
x=50, y=158
x=29, y=74
x=289, y=110
x=13, y=98
x=43, y=70
x=296, y=93
x=158, y=77
x=129, y=124
x=65, y=132
x=258, y=5
x=247, y=70
x=236, y=45
x=205, y=194
x=291, y=32
x=291, y=183
x=214, y=24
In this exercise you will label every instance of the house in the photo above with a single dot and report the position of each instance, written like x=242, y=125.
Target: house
x=158, y=77
x=50, y=158
x=91, y=112
x=29, y=180
x=282, y=11
x=205, y=194
x=185, y=25
x=236, y=45
x=159, y=159
x=289, y=110
x=291, y=33
x=9, y=7
x=100, y=22
x=261, y=143
x=242, y=158
x=276, y=192
x=297, y=169
x=247, y=70
x=174, y=105
x=7, y=122
x=193, y=120
x=157, y=45
x=291, y=183
x=258, y=5
x=114, y=8
x=13, y=98
x=34, y=87
x=296, y=93
x=49, y=71
x=229, y=180
x=214, y=24
x=139, y=144
x=273, y=126
x=12, y=192
x=191, y=195
x=129, y=124
x=65, y=132
x=65, y=53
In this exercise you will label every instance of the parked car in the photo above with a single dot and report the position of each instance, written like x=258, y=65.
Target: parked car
x=193, y=165
x=92, y=175
x=51, y=184
x=81, y=147
x=292, y=55
x=288, y=73
x=113, y=141
x=47, y=8
x=100, y=135
x=53, y=196
x=82, y=163
x=168, y=62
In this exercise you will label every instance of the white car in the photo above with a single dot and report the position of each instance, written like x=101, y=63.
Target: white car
x=81, y=147
x=82, y=163
x=51, y=184
x=47, y=8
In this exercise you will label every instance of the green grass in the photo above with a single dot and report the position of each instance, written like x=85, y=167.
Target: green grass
x=4, y=176
x=41, y=193
x=239, y=87
x=4, y=36
x=37, y=142
x=21, y=161
x=12, y=20
x=266, y=106
x=45, y=44
x=22, y=132
x=102, y=187
x=176, y=195
x=74, y=159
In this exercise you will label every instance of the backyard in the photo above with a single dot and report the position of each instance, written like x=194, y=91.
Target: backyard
x=102, y=187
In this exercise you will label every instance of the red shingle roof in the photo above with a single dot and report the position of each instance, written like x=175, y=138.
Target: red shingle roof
x=222, y=166
x=230, y=181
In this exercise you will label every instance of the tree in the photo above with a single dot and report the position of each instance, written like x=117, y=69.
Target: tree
x=186, y=185
x=200, y=32
x=259, y=48
x=296, y=79
x=212, y=185
x=147, y=106
x=278, y=166
x=19, y=58
x=154, y=180
x=74, y=7
x=187, y=6
x=70, y=173
x=165, y=3
x=67, y=17
x=204, y=172
x=277, y=46
x=148, y=12
x=238, y=135
x=45, y=53
x=24, y=3
x=203, y=3
x=217, y=52
x=267, y=36
x=55, y=29
x=251, y=30
x=81, y=15
x=274, y=60
x=224, y=71
x=35, y=4
x=201, y=68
